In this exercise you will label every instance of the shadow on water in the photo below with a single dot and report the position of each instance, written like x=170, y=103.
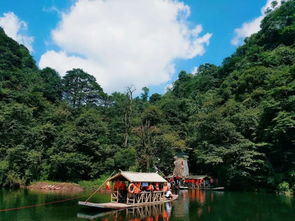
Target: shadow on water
x=194, y=200
x=191, y=205
x=149, y=213
x=208, y=205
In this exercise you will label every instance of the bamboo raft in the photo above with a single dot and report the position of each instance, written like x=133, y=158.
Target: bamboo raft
x=122, y=200
x=138, y=212
x=141, y=199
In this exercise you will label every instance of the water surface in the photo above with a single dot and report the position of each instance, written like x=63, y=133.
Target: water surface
x=191, y=205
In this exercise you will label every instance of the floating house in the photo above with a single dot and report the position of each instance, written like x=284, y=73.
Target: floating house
x=133, y=189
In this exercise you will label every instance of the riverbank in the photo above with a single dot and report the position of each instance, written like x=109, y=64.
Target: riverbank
x=65, y=187
x=55, y=187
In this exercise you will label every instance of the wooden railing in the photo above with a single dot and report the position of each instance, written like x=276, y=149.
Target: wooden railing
x=115, y=196
x=145, y=197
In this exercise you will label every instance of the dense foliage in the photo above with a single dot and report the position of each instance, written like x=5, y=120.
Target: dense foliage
x=236, y=121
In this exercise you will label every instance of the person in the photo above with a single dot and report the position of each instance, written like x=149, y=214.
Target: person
x=165, y=188
x=169, y=186
x=202, y=183
x=168, y=194
x=108, y=186
x=157, y=187
x=150, y=187
x=137, y=188
x=122, y=191
x=119, y=185
x=144, y=186
x=211, y=182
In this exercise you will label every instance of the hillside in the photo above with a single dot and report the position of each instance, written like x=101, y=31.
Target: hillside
x=236, y=121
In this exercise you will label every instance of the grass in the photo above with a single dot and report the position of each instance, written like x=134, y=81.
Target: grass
x=92, y=184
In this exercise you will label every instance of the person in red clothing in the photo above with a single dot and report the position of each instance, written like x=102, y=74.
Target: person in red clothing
x=197, y=183
x=157, y=188
x=108, y=186
x=116, y=185
x=150, y=187
x=137, y=188
x=122, y=185
x=165, y=187
x=119, y=185
x=202, y=182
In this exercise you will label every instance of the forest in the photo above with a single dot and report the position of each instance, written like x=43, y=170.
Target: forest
x=236, y=121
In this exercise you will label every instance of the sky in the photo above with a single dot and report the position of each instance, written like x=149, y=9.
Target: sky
x=132, y=42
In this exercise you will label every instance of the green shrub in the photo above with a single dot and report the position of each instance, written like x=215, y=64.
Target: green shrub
x=284, y=188
x=93, y=184
x=13, y=180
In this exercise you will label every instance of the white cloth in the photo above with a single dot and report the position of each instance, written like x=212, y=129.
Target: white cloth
x=168, y=194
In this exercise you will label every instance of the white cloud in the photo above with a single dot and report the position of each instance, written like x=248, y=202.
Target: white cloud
x=16, y=28
x=168, y=87
x=195, y=70
x=125, y=42
x=253, y=26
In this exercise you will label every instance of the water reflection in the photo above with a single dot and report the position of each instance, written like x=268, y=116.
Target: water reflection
x=192, y=205
x=146, y=213
x=188, y=201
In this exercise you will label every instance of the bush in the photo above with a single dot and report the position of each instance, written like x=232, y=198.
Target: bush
x=13, y=181
x=284, y=188
x=93, y=184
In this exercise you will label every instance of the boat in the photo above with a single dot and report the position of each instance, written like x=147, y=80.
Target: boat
x=183, y=188
x=121, y=199
x=220, y=188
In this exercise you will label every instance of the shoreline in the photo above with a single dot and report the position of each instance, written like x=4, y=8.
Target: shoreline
x=48, y=186
x=56, y=187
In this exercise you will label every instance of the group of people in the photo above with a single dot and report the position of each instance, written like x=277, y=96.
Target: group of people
x=206, y=182
x=136, y=188
x=200, y=183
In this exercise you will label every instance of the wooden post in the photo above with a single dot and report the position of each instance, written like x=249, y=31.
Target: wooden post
x=115, y=196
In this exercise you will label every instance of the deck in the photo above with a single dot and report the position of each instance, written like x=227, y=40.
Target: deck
x=118, y=206
x=139, y=212
x=112, y=205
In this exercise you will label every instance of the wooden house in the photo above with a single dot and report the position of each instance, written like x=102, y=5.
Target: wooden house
x=123, y=196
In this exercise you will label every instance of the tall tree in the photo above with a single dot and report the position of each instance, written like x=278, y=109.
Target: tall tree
x=81, y=88
x=145, y=94
x=128, y=114
x=53, y=84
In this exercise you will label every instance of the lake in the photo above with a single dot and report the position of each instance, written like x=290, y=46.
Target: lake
x=191, y=205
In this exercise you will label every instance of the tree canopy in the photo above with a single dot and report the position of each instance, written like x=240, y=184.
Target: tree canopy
x=236, y=121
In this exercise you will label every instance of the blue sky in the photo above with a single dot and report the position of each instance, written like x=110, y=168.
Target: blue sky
x=218, y=18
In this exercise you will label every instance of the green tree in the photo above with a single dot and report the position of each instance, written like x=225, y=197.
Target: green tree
x=52, y=84
x=80, y=88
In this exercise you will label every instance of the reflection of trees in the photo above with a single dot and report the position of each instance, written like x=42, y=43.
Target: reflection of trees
x=204, y=200
x=197, y=205
x=181, y=207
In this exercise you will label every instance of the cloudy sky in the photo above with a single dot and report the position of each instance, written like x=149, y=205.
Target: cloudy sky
x=131, y=42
